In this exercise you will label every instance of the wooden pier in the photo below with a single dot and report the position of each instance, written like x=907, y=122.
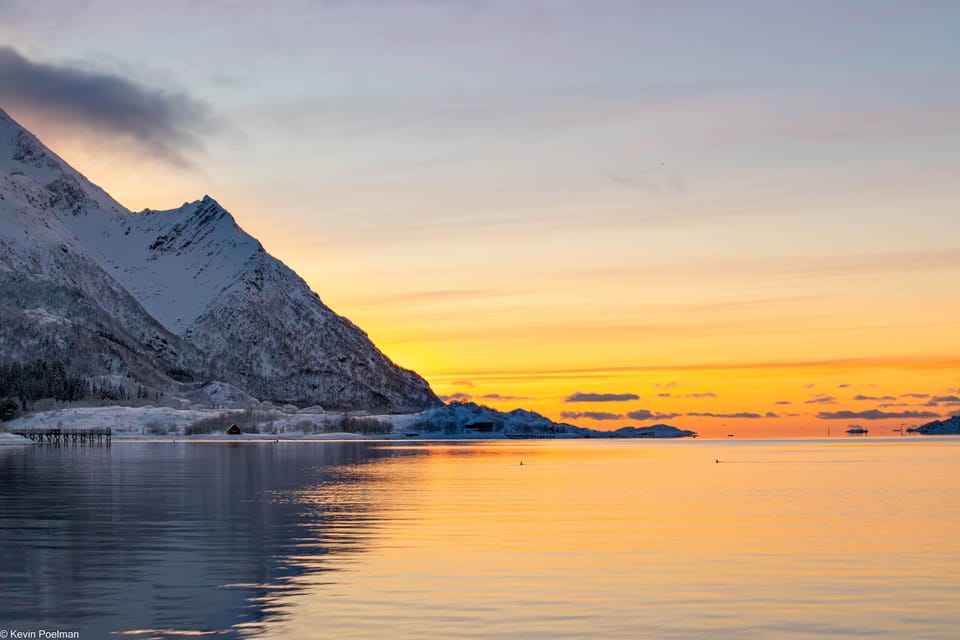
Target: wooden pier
x=61, y=437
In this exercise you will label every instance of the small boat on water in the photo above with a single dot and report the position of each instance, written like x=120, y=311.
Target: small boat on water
x=857, y=431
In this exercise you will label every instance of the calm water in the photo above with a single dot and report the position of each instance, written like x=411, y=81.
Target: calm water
x=617, y=539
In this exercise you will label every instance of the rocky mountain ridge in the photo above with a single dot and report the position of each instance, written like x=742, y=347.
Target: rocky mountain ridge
x=158, y=299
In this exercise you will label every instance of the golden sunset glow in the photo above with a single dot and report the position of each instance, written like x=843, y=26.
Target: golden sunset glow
x=667, y=529
x=751, y=226
x=687, y=343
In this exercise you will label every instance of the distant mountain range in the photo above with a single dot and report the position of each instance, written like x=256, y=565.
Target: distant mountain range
x=98, y=300
x=469, y=417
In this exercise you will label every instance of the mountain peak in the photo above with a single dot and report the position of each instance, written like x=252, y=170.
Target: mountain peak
x=20, y=149
x=7, y=123
x=23, y=154
x=192, y=272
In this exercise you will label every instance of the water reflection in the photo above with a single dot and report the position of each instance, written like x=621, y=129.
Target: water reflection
x=176, y=538
x=617, y=539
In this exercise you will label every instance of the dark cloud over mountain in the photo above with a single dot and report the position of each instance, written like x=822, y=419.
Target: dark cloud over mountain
x=165, y=123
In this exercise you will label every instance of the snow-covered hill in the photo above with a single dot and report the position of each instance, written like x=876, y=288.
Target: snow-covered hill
x=185, y=291
x=950, y=426
x=469, y=418
x=56, y=302
x=653, y=431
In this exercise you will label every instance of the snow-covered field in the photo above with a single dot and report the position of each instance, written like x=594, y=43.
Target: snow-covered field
x=271, y=422
x=11, y=439
x=168, y=422
x=171, y=421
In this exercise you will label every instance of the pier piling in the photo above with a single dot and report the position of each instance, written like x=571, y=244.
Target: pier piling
x=100, y=436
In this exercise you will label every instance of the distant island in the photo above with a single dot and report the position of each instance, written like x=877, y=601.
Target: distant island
x=950, y=426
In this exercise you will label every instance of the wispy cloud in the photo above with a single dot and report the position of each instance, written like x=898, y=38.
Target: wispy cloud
x=456, y=397
x=583, y=396
x=783, y=402
x=592, y=415
x=874, y=414
x=644, y=414
x=440, y=297
x=694, y=396
x=821, y=400
x=661, y=182
x=874, y=398
x=462, y=396
x=165, y=123
x=906, y=363
x=777, y=268
x=502, y=398
x=743, y=414
x=950, y=398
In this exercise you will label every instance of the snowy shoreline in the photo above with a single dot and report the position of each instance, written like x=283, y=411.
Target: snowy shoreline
x=130, y=421
x=13, y=439
x=465, y=421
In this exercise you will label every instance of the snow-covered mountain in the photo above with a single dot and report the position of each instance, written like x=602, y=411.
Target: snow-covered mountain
x=57, y=304
x=187, y=291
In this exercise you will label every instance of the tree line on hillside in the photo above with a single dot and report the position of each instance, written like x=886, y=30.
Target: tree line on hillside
x=21, y=385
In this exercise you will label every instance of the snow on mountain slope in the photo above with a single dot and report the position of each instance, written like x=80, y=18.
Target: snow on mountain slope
x=456, y=419
x=198, y=274
x=130, y=247
x=56, y=302
x=949, y=426
x=180, y=260
x=174, y=262
x=295, y=349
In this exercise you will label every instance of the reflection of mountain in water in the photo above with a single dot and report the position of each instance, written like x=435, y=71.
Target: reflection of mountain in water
x=174, y=536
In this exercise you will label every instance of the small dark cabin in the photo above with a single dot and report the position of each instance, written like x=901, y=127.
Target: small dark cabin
x=479, y=427
x=234, y=430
